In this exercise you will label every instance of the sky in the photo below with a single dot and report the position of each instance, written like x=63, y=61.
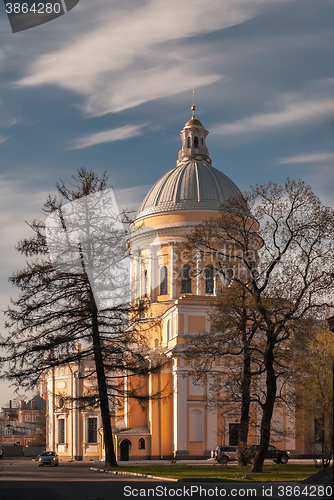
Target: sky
x=108, y=87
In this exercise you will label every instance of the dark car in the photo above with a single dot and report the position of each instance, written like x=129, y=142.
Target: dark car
x=48, y=458
x=225, y=454
x=278, y=456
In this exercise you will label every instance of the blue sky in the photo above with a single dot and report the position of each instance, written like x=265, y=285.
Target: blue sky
x=108, y=86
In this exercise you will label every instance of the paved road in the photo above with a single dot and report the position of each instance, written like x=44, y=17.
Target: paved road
x=23, y=480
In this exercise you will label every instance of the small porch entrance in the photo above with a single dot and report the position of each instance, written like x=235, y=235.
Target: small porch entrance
x=125, y=449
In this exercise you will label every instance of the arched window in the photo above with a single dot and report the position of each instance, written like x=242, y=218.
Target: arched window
x=163, y=280
x=141, y=444
x=188, y=143
x=195, y=141
x=209, y=279
x=186, y=279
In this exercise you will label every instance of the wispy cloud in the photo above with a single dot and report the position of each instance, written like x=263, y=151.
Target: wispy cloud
x=312, y=104
x=294, y=113
x=307, y=158
x=112, y=135
x=3, y=138
x=17, y=204
x=133, y=54
x=130, y=198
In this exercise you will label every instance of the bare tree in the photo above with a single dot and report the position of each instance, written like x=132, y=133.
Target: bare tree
x=75, y=289
x=275, y=245
x=40, y=430
x=315, y=405
x=235, y=335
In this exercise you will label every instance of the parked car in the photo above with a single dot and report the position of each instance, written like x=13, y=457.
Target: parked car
x=224, y=454
x=48, y=458
x=278, y=456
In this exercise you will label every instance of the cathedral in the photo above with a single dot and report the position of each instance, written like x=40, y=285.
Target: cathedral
x=183, y=425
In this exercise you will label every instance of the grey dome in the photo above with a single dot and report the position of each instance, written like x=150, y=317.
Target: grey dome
x=192, y=185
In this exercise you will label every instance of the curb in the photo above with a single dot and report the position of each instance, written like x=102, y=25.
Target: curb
x=124, y=473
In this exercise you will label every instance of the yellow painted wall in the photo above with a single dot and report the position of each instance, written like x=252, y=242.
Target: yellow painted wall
x=138, y=414
x=174, y=218
x=167, y=415
x=154, y=417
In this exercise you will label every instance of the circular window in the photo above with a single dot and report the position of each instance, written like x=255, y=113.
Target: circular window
x=61, y=402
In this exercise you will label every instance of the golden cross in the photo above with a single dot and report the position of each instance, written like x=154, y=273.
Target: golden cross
x=193, y=94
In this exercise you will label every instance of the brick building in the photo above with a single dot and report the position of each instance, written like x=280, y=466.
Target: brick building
x=19, y=424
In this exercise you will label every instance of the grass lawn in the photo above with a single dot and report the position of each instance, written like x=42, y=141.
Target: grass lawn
x=225, y=473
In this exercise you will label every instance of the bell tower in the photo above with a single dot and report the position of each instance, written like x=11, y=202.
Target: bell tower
x=193, y=141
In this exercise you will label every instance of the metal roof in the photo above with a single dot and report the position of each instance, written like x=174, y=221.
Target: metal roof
x=39, y=404
x=17, y=428
x=192, y=185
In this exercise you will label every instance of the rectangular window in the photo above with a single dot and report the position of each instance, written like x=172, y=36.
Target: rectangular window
x=209, y=281
x=92, y=430
x=61, y=430
x=186, y=279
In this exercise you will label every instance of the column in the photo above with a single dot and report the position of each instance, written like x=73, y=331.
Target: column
x=151, y=273
x=72, y=415
x=172, y=278
x=77, y=452
x=51, y=411
x=211, y=417
x=198, y=273
x=135, y=276
x=215, y=290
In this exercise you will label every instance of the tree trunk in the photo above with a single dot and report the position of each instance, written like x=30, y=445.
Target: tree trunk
x=110, y=460
x=243, y=449
x=246, y=376
x=267, y=408
x=245, y=398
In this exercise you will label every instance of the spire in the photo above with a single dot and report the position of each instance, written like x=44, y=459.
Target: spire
x=193, y=139
x=193, y=107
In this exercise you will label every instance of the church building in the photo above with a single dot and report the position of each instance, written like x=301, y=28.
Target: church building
x=182, y=425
